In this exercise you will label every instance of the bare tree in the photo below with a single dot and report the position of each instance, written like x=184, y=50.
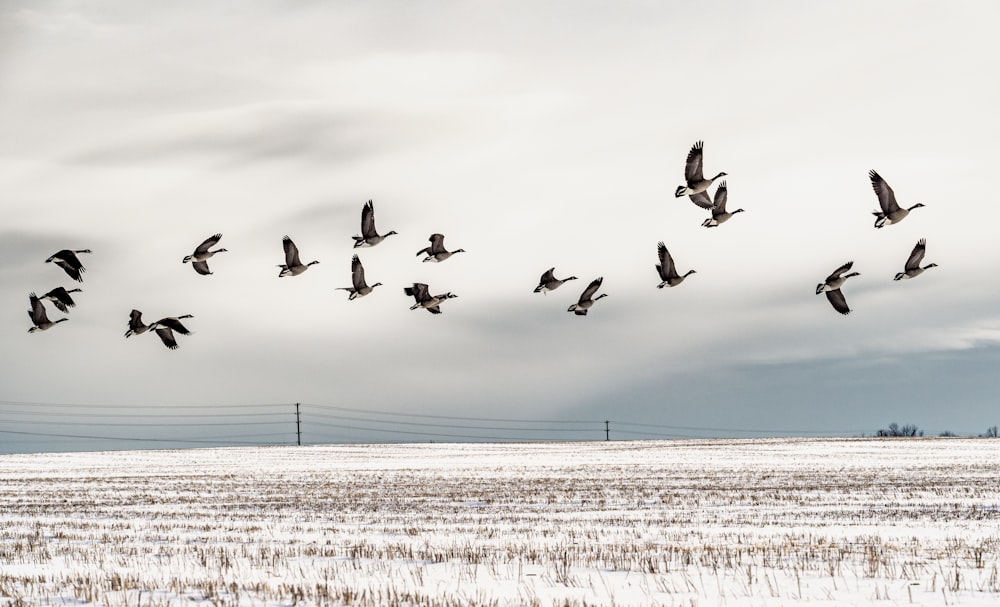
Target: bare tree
x=895, y=429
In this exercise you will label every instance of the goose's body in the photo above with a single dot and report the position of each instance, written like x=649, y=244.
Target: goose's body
x=135, y=324
x=912, y=268
x=587, y=298
x=694, y=179
x=172, y=322
x=292, y=265
x=369, y=236
x=360, y=288
x=61, y=298
x=666, y=269
x=39, y=318
x=719, y=213
x=68, y=261
x=549, y=282
x=203, y=253
x=890, y=212
x=165, y=328
x=436, y=252
x=831, y=286
x=423, y=298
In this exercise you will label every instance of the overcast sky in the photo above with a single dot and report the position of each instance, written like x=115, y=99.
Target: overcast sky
x=531, y=134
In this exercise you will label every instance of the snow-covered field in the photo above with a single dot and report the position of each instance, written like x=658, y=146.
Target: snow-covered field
x=686, y=523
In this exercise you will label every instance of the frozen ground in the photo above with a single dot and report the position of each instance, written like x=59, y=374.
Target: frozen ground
x=685, y=523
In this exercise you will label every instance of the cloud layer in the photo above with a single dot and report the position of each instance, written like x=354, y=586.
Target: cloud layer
x=532, y=136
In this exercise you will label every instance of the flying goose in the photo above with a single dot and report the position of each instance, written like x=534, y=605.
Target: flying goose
x=425, y=300
x=369, y=235
x=667, y=270
x=587, y=298
x=60, y=297
x=38, y=316
x=165, y=328
x=437, y=252
x=831, y=286
x=549, y=282
x=693, y=177
x=67, y=260
x=360, y=288
x=202, y=254
x=292, y=265
x=912, y=268
x=719, y=213
x=135, y=324
x=891, y=211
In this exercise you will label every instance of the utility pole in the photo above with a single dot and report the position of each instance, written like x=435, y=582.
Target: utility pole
x=607, y=430
x=298, y=426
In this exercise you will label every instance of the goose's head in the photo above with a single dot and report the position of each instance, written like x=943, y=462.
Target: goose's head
x=720, y=175
x=75, y=291
x=930, y=265
x=378, y=284
x=737, y=211
x=900, y=276
x=819, y=288
x=689, y=272
x=846, y=276
x=916, y=206
x=390, y=233
x=458, y=251
x=600, y=296
x=221, y=251
x=680, y=191
x=570, y=278
x=311, y=263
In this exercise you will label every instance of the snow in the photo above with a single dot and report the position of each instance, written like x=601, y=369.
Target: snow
x=676, y=523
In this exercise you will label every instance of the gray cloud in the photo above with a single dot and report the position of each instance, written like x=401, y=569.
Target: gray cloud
x=231, y=139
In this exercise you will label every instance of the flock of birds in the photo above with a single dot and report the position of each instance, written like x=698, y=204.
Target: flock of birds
x=167, y=327
x=696, y=187
x=889, y=213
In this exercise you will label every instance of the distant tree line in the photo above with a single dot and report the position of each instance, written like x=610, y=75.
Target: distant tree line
x=908, y=430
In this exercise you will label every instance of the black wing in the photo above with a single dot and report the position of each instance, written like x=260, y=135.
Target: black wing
x=591, y=289
x=693, y=166
x=291, y=252
x=838, y=301
x=917, y=255
x=886, y=197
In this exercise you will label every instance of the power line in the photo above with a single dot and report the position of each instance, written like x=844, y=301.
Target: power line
x=141, y=414
x=140, y=424
x=318, y=419
x=399, y=414
x=416, y=433
x=136, y=439
x=751, y=431
x=132, y=406
x=456, y=426
x=453, y=417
